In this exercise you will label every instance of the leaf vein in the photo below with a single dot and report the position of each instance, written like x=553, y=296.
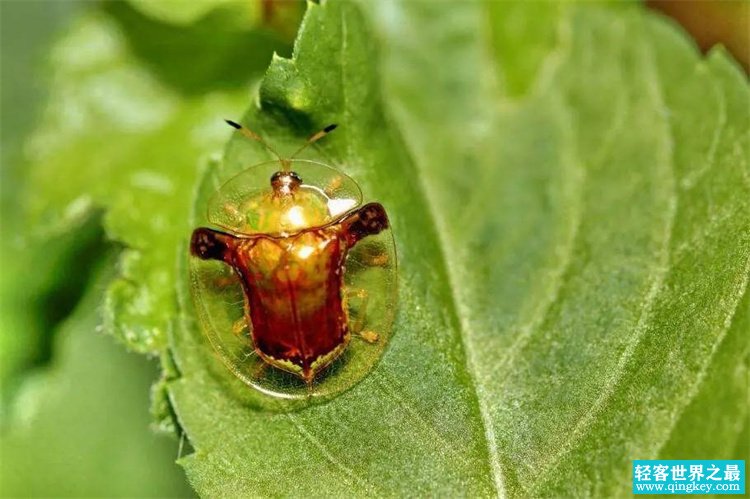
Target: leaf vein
x=657, y=283
x=329, y=456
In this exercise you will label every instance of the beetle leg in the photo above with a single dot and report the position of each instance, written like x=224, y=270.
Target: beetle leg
x=224, y=282
x=249, y=355
x=333, y=185
x=376, y=258
x=358, y=322
x=260, y=369
x=380, y=260
x=369, y=336
x=369, y=220
x=358, y=327
x=239, y=326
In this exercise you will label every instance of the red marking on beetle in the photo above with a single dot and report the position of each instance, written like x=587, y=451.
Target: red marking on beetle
x=292, y=272
x=296, y=306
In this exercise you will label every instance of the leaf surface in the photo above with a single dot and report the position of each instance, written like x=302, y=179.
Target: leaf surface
x=561, y=319
x=596, y=285
x=571, y=211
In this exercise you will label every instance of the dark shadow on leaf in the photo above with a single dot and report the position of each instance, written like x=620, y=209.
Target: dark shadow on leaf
x=205, y=56
x=63, y=269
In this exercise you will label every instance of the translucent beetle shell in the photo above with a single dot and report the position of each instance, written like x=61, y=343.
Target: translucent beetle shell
x=296, y=286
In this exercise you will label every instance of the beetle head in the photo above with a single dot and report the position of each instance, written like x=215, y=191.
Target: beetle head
x=285, y=183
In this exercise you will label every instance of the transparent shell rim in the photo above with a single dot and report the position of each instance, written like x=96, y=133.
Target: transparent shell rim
x=308, y=162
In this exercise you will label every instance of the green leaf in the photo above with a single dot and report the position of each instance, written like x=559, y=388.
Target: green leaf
x=80, y=426
x=189, y=11
x=616, y=265
x=571, y=210
x=591, y=253
x=212, y=54
x=420, y=393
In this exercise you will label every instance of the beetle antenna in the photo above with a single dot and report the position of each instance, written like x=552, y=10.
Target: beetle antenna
x=246, y=132
x=314, y=138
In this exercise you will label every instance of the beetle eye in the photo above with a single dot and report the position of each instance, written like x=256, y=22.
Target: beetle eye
x=296, y=177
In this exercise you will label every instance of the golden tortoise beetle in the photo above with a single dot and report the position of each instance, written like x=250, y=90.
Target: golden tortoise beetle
x=297, y=268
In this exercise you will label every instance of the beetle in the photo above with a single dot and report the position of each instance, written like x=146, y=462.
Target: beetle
x=304, y=253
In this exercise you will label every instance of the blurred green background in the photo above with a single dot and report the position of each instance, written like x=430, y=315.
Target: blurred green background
x=75, y=404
